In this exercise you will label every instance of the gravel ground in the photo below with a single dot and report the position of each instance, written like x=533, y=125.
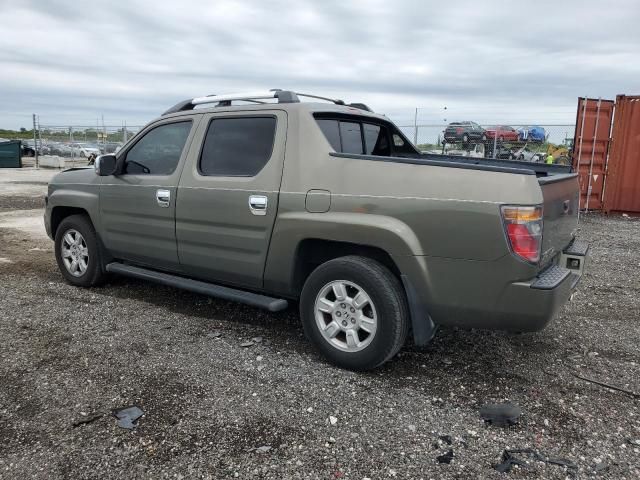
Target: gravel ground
x=215, y=409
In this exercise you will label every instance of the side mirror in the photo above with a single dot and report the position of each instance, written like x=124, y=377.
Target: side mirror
x=105, y=165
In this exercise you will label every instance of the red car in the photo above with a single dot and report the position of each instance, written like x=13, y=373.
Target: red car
x=504, y=133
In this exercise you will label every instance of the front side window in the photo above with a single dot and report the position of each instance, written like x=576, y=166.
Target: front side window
x=159, y=150
x=237, y=147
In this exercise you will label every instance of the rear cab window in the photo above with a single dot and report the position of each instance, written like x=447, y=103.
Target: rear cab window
x=363, y=136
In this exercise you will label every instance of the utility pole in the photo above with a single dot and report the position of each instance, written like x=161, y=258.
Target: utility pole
x=35, y=141
x=415, y=127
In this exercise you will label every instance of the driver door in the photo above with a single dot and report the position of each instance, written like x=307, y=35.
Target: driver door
x=137, y=206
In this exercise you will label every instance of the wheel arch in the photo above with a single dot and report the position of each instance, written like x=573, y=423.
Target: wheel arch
x=313, y=252
x=59, y=213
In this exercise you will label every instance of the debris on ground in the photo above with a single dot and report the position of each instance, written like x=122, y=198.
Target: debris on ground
x=215, y=334
x=87, y=419
x=256, y=339
x=501, y=414
x=446, y=458
x=509, y=459
x=247, y=344
x=262, y=449
x=446, y=439
x=332, y=420
x=606, y=385
x=127, y=416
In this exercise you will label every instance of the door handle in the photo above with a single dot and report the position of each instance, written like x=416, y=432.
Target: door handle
x=258, y=204
x=163, y=197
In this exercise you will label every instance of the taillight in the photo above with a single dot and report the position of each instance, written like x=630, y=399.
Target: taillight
x=524, y=230
x=458, y=130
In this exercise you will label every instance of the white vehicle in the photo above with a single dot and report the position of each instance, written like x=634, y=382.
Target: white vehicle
x=526, y=155
x=85, y=149
x=476, y=152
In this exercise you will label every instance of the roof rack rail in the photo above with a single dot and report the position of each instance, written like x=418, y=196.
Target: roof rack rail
x=283, y=96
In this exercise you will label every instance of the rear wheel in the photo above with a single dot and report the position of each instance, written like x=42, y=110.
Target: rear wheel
x=77, y=252
x=355, y=312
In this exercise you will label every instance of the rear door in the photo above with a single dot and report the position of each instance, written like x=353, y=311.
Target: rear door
x=137, y=207
x=228, y=196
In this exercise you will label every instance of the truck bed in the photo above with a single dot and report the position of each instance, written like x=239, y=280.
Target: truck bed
x=487, y=164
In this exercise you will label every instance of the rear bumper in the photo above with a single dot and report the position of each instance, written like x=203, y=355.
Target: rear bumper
x=530, y=306
x=474, y=294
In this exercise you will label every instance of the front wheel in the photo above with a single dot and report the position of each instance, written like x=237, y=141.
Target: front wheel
x=77, y=252
x=355, y=312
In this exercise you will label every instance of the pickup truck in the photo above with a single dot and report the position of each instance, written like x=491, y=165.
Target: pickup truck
x=265, y=199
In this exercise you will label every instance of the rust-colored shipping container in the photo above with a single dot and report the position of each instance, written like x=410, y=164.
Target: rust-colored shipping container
x=590, y=149
x=622, y=190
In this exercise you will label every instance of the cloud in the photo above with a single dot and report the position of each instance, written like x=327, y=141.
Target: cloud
x=489, y=61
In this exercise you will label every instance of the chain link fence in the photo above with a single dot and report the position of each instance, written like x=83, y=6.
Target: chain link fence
x=72, y=145
x=525, y=142
x=65, y=146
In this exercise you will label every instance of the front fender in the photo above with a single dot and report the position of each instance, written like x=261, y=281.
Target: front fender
x=83, y=197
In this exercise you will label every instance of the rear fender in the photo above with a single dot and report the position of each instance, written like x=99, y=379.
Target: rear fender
x=291, y=229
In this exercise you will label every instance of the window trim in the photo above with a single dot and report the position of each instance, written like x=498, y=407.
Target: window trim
x=226, y=117
x=121, y=159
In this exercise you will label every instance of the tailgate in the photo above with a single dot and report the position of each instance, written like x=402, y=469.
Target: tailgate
x=560, y=194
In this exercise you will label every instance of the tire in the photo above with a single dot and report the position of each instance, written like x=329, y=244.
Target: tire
x=92, y=274
x=386, y=312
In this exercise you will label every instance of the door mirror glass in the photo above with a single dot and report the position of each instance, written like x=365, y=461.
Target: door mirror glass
x=105, y=165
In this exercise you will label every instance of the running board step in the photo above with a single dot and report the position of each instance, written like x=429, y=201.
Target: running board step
x=210, y=289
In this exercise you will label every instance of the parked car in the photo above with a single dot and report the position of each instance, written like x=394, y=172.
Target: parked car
x=532, y=134
x=477, y=151
x=61, y=149
x=464, y=132
x=503, y=133
x=26, y=150
x=250, y=203
x=525, y=155
x=110, y=147
x=30, y=147
x=85, y=149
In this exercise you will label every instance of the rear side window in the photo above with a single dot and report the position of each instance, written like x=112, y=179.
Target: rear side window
x=331, y=130
x=237, y=147
x=360, y=137
x=376, y=140
x=351, y=136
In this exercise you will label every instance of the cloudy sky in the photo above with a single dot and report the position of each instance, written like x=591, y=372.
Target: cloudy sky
x=491, y=61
